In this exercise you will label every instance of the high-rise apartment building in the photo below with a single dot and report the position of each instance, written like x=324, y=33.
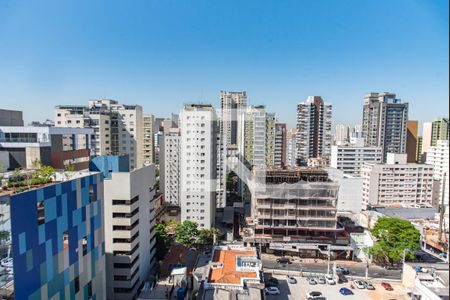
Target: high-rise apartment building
x=198, y=144
x=258, y=136
x=439, y=130
x=53, y=242
x=118, y=128
x=147, y=141
x=270, y=138
x=254, y=135
x=314, y=129
x=412, y=140
x=397, y=183
x=427, y=129
x=356, y=131
x=291, y=147
x=350, y=158
x=385, y=122
x=342, y=134
x=280, y=144
x=438, y=156
x=130, y=241
x=232, y=106
x=170, y=167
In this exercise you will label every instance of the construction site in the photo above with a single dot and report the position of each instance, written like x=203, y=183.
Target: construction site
x=294, y=209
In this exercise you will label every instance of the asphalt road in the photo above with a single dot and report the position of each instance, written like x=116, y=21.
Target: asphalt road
x=356, y=269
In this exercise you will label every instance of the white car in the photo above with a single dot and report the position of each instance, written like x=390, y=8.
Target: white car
x=314, y=295
x=7, y=262
x=272, y=290
x=330, y=279
x=359, y=284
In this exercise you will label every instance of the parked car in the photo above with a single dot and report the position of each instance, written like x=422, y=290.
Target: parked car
x=271, y=282
x=284, y=261
x=312, y=281
x=359, y=284
x=342, y=278
x=343, y=270
x=330, y=279
x=369, y=285
x=314, y=295
x=345, y=291
x=272, y=290
x=7, y=262
x=387, y=286
x=291, y=279
x=321, y=280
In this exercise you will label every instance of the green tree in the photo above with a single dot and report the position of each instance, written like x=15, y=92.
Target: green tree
x=186, y=233
x=393, y=236
x=206, y=236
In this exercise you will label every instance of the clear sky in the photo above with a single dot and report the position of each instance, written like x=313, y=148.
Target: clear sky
x=161, y=54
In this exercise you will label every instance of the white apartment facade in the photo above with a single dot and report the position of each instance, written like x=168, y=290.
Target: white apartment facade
x=397, y=183
x=130, y=240
x=170, y=167
x=314, y=129
x=118, y=128
x=291, y=148
x=232, y=106
x=198, y=129
x=438, y=156
x=341, y=134
x=350, y=158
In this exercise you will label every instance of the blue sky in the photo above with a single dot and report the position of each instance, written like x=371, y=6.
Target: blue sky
x=161, y=54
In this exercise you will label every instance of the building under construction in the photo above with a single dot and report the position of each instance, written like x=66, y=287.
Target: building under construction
x=294, y=209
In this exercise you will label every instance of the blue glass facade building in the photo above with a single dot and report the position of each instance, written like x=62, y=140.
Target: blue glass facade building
x=57, y=240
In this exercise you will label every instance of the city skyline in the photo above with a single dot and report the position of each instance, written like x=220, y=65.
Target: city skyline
x=146, y=55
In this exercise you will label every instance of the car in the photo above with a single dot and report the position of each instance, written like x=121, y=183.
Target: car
x=314, y=295
x=7, y=262
x=369, y=285
x=330, y=280
x=271, y=282
x=387, y=286
x=312, y=281
x=342, y=278
x=291, y=279
x=359, y=284
x=343, y=270
x=321, y=280
x=272, y=290
x=345, y=291
x=284, y=261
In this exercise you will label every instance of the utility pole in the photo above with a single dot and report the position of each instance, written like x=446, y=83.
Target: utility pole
x=442, y=209
x=329, y=255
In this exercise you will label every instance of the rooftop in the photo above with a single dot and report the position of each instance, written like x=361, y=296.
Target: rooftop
x=179, y=256
x=233, y=265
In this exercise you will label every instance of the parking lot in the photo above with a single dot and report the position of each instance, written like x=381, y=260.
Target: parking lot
x=331, y=292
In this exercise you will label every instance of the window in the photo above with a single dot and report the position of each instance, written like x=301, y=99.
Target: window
x=77, y=284
x=41, y=212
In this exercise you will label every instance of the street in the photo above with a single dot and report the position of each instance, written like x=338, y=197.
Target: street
x=299, y=290
x=355, y=268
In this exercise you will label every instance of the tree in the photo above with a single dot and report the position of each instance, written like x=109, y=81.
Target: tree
x=393, y=236
x=206, y=236
x=186, y=233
